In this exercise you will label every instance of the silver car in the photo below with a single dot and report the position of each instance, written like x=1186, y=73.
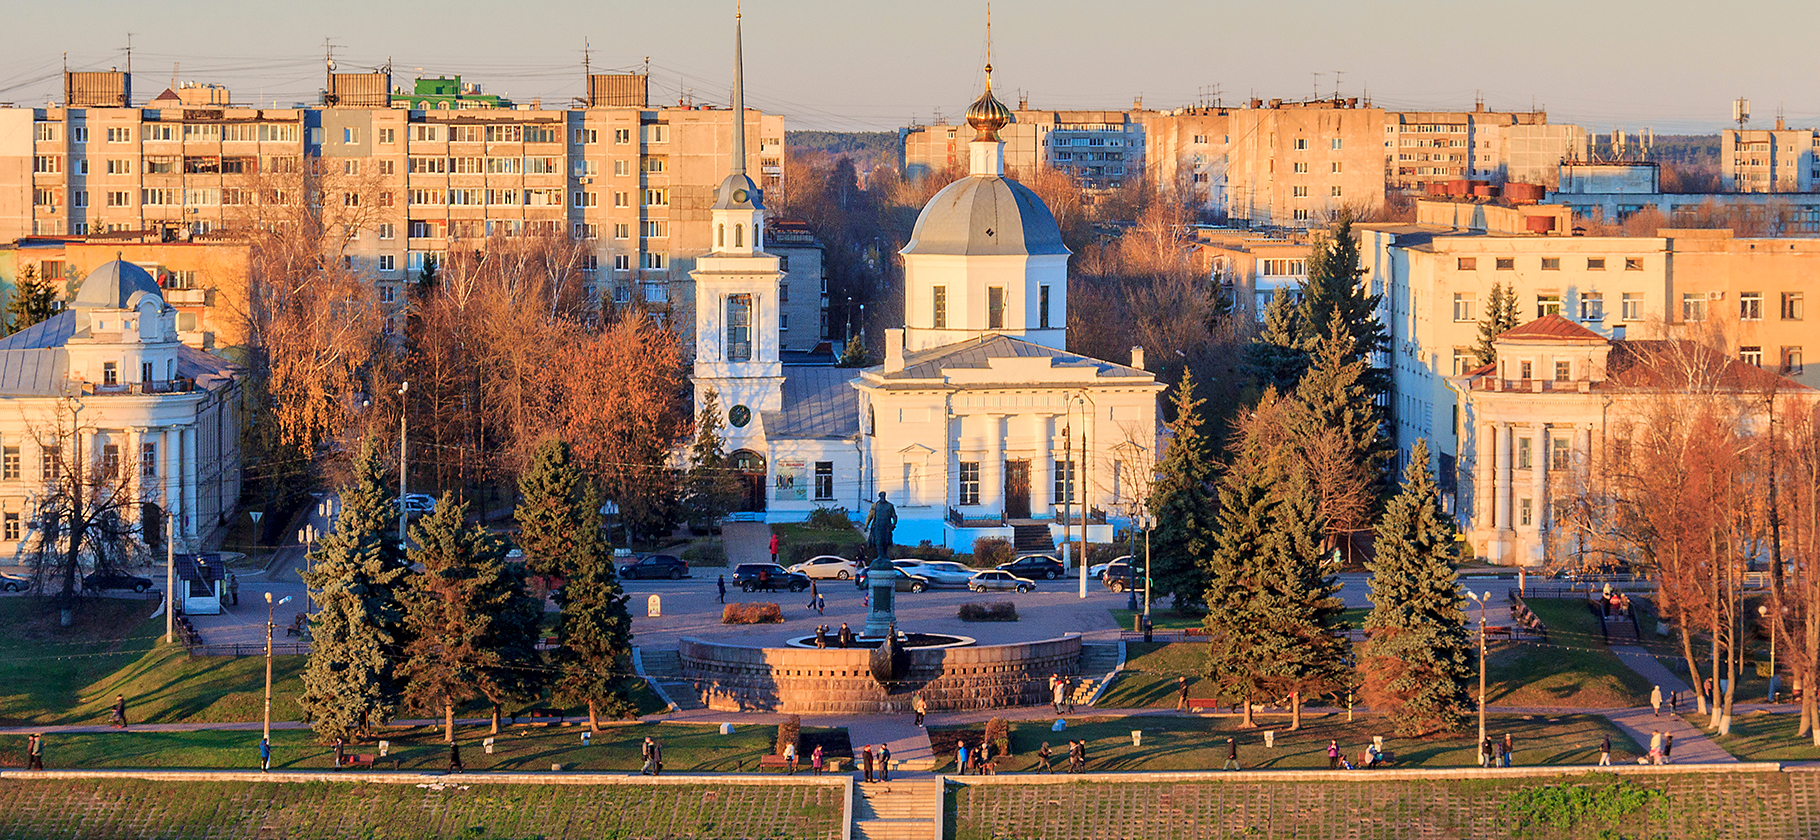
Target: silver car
x=945, y=573
x=1000, y=582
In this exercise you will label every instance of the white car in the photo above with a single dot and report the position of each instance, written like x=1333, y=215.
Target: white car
x=827, y=566
x=419, y=503
x=1000, y=581
x=1097, y=571
x=945, y=573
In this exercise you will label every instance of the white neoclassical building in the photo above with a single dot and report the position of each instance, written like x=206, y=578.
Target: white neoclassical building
x=978, y=422
x=108, y=381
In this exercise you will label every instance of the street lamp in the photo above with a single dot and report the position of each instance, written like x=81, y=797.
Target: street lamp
x=269, y=625
x=1764, y=611
x=307, y=536
x=402, y=388
x=255, y=514
x=1483, y=602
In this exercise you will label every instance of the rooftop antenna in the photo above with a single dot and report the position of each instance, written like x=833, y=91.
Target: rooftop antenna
x=1336, y=84
x=174, y=66
x=587, y=68
x=1741, y=112
x=1317, y=84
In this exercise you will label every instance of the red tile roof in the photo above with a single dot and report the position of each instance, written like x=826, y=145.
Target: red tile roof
x=1551, y=328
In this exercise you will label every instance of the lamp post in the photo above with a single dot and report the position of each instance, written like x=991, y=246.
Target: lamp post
x=1482, y=601
x=1764, y=611
x=255, y=514
x=269, y=625
x=307, y=536
x=402, y=388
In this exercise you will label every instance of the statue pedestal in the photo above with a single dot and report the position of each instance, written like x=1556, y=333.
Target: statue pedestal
x=882, y=615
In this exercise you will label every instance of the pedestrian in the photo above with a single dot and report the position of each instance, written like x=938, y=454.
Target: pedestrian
x=813, y=594
x=984, y=757
x=119, y=719
x=1333, y=755
x=1655, y=747
x=773, y=548
x=657, y=758
x=34, y=753
x=790, y=757
x=338, y=753
x=867, y=758
x=265, y=755
x=1059, y=689
x=821, y=605
x=1668, y=746
x=648, y=751
x=1674, y=702
x=884, y=762
x=846, y=635
x=1042, y=758
x=1080, y=755
x=815, y=760
x=1232, y=754
x=233, y=589
x=1605, y=751
x=960, y=757
x=919, y=706
x=1509, y=749
x=1655, y=700
x=722, y=586
x=1068, y=683
x=455, y=758
x=1486, y=752
x=821, y=637
x=1181, y=693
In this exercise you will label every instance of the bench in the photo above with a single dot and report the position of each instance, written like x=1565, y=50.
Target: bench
x=1498, y=633
x=547, y=717
x=1196, y=704
x=775, y=761
x=363, y=761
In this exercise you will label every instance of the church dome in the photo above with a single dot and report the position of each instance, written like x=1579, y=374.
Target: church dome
x=986, y=215
x=987, y=115
x=116, y=285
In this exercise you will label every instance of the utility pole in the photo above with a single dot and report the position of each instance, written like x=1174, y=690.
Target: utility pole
x=1482, y=601
x=269, y=624
x=402, y=388
x=170, y=577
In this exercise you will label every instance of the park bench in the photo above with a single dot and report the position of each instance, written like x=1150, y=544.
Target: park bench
x=364, y=761
x=547, y=717
x=774, y=761
x=297, y=625
x=1196, y=704
x=1498, y=633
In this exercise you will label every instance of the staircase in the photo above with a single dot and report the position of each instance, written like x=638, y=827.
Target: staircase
x=897, y=810
x=664, y=669
x=1032, y=539
x=1096, y=664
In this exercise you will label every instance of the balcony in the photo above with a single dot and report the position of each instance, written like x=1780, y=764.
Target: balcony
x=180, y=385
x=187, y=297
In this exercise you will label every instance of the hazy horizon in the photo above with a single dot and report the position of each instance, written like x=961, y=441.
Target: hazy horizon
x=870, y=66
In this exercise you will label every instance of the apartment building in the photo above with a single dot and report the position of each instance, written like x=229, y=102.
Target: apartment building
x=634, y=181
x=1760, y=160
x=1426, y=147
x=1101, y=150
x=1613, y=192
x=802, y=290
x=1252, y=267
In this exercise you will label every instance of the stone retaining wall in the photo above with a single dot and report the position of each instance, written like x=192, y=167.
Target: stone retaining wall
x=839, y=681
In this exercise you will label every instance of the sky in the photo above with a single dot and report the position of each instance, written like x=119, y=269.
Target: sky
x=851, y=65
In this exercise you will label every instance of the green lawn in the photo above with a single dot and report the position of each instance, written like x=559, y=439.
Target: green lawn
x=1199, y=743
x=1159, y=619
x=1151, y=669
x=615, y=747
x=1762, y=736
x=1573, y=669
x=1667, y=650
x=798, y=532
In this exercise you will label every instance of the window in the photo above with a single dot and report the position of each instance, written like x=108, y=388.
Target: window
x=1301, y=144
x=9, y=464
x=1595, y=263
x=1467, y=264
x=148, y=459
x=622, y=136
x=1592, y=306
x=11, y=528
x=110, y=373
x=1564, y=371
x=1551, y=263
x=995, y=307
x=51, y=466
x=824, y=481
x=387, y=136
x=388, y=262
x=653, y=229
x=1301, y=167
x=1526, y=369
x=387, y=230
x=1632, y=307
x=1042, y=308
x=1301, y=214
x=349, y=136
x=653, y=165
x=622, y=262
x=970, y=483
x=1284, y=268
x=1525, y=453
x=622, y=199
x=1633, y=263
x=1506, y=264
x=657, y=198
x=1792, y=306
x=1547, y=305
x=1560, y=456
x=939, y=296
x=1464, y=360
x=120, y=135
x=1335, y=191
x=1336, y=167
x=783, y=322
x=1791, y=360
x=1751, y=355
x=739, y=328
x=655, y=261
x=1466, y=306
x=110, y=459
x=1750, y=306
x=783, y=293
x=1064, y=482
x=1299, y=191
x=587, y=167
x=1693, y=306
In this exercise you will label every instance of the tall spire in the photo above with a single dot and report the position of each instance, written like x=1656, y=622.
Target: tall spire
x=987, y=115
x=739, y=91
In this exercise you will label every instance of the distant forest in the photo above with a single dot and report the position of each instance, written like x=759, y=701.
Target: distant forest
x=868, y=149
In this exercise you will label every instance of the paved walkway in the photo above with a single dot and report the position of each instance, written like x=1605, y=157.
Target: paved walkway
x=1691, y=745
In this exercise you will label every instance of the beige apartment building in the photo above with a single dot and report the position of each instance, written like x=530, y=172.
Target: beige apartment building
x=1099, y=149
x=635, y=181
x=1759, y=160
x=1252, y=267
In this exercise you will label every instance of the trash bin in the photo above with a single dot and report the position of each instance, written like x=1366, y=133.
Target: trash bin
x=1137, y=737
x=1146, y=628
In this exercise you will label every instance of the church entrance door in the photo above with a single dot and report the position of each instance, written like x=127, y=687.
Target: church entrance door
x=750, y=466
x=1017, y=489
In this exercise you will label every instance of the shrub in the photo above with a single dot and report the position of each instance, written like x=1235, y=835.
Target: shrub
x=793, y=553
x=924, y=550
x=997, y=611
x=752, y=613
x=706, y=554
x=1107, y=552
x=1000, y=735
x=789, y=732
x=991, y=551
x=830, y=519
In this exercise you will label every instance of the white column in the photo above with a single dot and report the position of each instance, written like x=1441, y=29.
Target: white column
x=191, y=463
x=1501, y=481
x=1583, y=450
x=1042, y=473
x=1538, y=480
x=992, y=466
x=1484, y=476
x=167, y=472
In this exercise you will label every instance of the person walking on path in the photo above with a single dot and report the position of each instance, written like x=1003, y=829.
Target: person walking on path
x=773, y=548
x=338, y=753
x=1181, y=693
x=1060, y=694
x=985, y=757
x=722, y=586
x=1605, y=751
x=1080, y=756
x=919, y=706
x=1068, y=686
x=1486, y=751
x=119, y=719
x=1333, y=755
x=1668, y=746
x=960, y=757
x=648, y=751
x=814, y=593
x=790, y=757
x=34, y=753
x=657, y=758
x=866, y=758
x=1509, y=749
x=1232, y=754
x=1655, y=700
x=1655, y=747
x=265, y=755
x=815, y=760
x=1042, y=758
x=884, y=762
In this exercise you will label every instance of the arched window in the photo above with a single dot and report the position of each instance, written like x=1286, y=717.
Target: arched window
x=739, y=236
x=739, y=326
x=720, y=236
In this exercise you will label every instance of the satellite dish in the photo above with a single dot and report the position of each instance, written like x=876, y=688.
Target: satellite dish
x=331, y=64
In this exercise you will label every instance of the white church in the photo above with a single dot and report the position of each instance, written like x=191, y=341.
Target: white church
x=979, y=423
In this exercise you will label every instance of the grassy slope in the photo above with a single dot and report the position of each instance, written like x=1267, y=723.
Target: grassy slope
x=1762, y=736
x=1573, y=669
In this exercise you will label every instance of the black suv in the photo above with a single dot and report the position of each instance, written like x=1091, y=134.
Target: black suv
x=1034, y=567
x=653, y=566
x=767, y=577
x=95, y=582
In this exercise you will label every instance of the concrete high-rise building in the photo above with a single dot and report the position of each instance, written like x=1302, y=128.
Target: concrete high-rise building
x=1769, y=160
x=1101, y=150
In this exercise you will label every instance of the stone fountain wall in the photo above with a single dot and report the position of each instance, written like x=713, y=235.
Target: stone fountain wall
x=839, y=681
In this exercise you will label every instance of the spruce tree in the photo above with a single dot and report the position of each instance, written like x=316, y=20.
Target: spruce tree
x=1333, y=288
x=460, y=593
x=33, y=300
x=356, y=634
x=550, y=513
x=594, y=632
x=1278, y=356
x=1500, y=315
x=710, y=488
x=1182, y=504
x=520, y=674
x=1417, y=660
x=1341, y=432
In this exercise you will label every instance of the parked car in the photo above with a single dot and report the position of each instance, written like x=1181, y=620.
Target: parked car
x=946, y=573
x=1000, y=581
x=1097, y=571
x=1119, y=576
x=419, y=503
x=827, y=566
x=1034, y=566
x=908, y=567
x=14, y=583
x=653, y=566
x=767, y=577
x=96, y=582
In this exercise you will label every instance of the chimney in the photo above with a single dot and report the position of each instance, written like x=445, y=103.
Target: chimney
x=1137, y=357
x=894, y=350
